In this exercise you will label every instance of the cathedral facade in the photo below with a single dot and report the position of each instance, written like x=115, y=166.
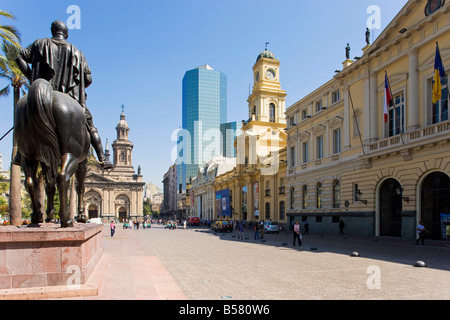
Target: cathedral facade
x=116, y=194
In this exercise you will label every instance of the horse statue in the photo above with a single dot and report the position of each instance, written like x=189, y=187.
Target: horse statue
x=50, y=130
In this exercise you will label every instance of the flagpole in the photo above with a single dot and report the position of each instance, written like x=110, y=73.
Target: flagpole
x=356, y=121
x=395, y=109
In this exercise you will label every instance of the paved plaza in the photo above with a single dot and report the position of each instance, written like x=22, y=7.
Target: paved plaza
x=197, y=264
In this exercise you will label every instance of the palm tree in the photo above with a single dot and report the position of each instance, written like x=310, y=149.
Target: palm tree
x=11, y=72
x=9, y=34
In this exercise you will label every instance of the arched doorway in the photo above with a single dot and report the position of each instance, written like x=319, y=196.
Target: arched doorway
x=122, y=214
x=93, y=211
x=391, y=207
x=435, y=204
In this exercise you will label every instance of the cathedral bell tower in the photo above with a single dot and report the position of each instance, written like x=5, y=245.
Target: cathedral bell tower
x=122, y=147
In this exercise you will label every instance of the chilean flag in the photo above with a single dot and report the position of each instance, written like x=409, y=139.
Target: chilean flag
x=388, y=99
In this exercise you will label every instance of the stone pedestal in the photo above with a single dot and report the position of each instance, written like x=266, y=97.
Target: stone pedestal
x=47, y=256
x=347, y=63
x=366, y=48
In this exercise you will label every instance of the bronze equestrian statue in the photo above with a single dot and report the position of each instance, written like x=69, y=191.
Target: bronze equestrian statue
x=53, y=126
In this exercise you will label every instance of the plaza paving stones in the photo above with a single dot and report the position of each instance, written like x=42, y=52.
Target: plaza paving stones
x=197, y=264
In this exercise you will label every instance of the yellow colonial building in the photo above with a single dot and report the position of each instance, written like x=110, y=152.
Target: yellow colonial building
x=345, y=162
x=256, y=185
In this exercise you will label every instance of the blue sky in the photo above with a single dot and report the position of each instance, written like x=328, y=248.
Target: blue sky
x=139, y=51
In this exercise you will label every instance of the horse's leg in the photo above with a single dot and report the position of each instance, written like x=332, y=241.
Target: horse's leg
x=30, y=169
x=81, y=176
x=50, y=190
x=69, y=165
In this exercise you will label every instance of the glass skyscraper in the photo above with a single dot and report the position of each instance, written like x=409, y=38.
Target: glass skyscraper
x=204, y=110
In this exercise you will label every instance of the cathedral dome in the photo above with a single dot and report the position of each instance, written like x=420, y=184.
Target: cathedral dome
x=122, y=123
x=266, y=54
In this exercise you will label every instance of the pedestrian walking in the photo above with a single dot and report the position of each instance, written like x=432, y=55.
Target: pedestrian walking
x=241, y=231
x=255, y=229
x=306, y=227
x=421, y=233
x=297, y=234
x=261, y=230
x=341, y=227
x=113, y=228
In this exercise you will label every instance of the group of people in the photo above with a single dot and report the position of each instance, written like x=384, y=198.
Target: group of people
x=130, y=224
x=170, y=224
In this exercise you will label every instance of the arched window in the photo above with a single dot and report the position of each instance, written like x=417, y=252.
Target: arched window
x=337, y=194
x=305, y=197
x=272, y=112
x=291, y=198
x=319, y=191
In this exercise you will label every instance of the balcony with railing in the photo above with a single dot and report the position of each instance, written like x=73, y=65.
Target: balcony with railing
x=418, y=136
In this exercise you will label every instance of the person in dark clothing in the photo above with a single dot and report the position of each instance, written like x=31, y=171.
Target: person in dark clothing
x=341, y=228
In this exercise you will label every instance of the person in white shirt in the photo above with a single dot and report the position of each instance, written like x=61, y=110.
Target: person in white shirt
x=421, y=232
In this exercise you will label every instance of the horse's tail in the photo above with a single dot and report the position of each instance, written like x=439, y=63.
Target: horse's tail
x=42, y=124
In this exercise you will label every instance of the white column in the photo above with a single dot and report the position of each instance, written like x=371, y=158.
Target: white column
x=375, y=114
x=413, y=92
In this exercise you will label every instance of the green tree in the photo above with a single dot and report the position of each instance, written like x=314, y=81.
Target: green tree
x=147, y=208
x=10, y=72
x=4, y=187
x=9, y=33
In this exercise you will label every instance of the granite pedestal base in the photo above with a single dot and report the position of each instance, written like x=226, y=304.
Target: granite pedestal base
x=48, y=256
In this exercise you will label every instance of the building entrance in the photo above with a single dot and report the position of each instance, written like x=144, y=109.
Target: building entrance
x=93, y=212
x=435, y=204
x=391, y=209
x=122, y=214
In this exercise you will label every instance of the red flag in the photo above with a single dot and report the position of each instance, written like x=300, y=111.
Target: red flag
x=388, y=98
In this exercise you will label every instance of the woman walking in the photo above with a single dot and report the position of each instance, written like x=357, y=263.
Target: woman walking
x=297, y=235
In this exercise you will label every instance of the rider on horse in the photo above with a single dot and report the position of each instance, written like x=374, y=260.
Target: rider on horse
x=65, y=67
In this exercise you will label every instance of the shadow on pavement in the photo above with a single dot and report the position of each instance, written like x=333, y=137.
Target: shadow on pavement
x=434, y=253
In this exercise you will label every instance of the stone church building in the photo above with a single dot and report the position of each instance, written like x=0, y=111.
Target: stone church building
x=116, y=194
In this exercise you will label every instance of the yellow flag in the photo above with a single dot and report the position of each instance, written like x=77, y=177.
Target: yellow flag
x=437, y=87
x=439, y=75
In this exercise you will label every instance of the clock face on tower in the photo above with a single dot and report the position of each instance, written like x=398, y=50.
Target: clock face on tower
x=270, y=74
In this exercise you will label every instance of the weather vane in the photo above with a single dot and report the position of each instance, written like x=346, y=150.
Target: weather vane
x=266, y=45
x=123, y=107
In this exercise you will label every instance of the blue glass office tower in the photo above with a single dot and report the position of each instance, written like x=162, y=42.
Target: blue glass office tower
x=204, y=110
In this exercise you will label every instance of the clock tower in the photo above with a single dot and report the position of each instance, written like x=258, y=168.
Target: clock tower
x=266, y=104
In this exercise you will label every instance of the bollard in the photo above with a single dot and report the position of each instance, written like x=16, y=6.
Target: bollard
x=355, y=254
x=420, y=264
